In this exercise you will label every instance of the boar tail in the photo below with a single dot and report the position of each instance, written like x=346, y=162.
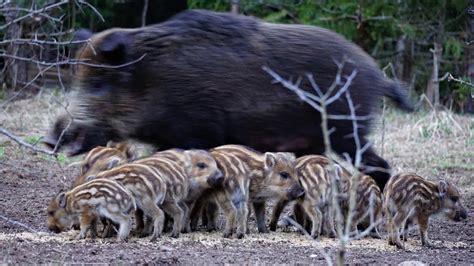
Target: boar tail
x=398, y=94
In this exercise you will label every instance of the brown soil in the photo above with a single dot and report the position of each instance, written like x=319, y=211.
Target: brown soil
x=29, y=180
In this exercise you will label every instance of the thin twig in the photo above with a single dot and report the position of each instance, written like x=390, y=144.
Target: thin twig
x=18, y=223
x=23, y=143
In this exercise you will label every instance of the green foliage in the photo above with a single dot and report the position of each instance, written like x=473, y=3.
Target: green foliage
x=376, y=26
x=62, y=158
x=453, y=47
x=33, y=140
x=2, y=151
x=216, y=5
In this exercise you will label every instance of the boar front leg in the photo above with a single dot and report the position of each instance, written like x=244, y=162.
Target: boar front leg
x=85, y=220
x=211, y=213
x=316, y=217
x=423, y=224
x=277, y=210
x=259, y=209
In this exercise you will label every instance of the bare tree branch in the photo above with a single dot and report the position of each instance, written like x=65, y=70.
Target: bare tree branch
x=23, y=143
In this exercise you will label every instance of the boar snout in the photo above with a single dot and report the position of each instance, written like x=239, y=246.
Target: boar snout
x=77, y=137
x=216, y=179
x=460, y=215
x=296, y=192
x=54, y=228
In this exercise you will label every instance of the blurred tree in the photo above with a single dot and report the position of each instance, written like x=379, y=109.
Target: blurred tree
x=416, y=36
x=401, y=32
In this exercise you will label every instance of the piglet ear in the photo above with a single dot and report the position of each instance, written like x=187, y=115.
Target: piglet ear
x=114, y=46
x=113, y=163
x=442, y=188
x=270, y=160
x=188, y=162
x=61, y=200
x=289, y=155
x=85, y=167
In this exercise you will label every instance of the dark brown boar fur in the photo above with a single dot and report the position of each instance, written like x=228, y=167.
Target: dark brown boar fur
x=196, y=81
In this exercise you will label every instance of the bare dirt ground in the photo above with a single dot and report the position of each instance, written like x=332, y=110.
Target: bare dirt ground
x=434, y=145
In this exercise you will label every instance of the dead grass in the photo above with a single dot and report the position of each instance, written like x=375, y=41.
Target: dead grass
x=32, y=116
x=432, y=144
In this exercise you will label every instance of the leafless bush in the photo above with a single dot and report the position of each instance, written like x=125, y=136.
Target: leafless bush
x=320, y=101
x=36, y=43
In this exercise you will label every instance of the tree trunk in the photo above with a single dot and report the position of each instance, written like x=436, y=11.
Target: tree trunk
x=16, y=74
x=469, y=106
x=432, y=90
x=234, y=8
x=399, y=58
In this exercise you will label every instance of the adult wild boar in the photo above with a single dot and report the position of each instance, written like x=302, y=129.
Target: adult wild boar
x=196, y=81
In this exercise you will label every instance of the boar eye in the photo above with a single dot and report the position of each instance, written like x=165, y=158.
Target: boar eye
x=284, y=175
x=454, y=198
x=201, y=165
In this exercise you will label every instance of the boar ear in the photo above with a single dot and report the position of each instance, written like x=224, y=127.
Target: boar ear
x=111, y=144
x=113, y=163
x=442, y=188
x=188, y=163
x=61, y=200
x=289, y=155
x=129, y=150
x=270, y=160
x=114, y=46
x=84, y=167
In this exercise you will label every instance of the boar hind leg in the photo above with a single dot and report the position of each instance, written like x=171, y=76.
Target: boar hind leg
x=187, y=217
x=124, y=226
x=259, y=209
x=277, y=210
x=240, y=204
x=177, y=213
x=230, y=220
x=398, y=225
x=157, y=215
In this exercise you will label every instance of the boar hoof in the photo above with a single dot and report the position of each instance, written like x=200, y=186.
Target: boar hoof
x=399, y=245
x=227, y=234
x=174, y=235
x=155, y=237
x=391, y=242
x=273, y=227
x=428, y=244
x=376, y=235
x=211, y=229
x=240, y=235
x=121, y=239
